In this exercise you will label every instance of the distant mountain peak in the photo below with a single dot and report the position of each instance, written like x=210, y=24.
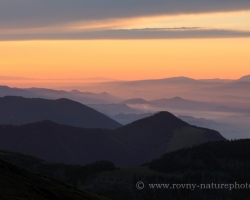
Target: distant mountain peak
x=75, y=91
x=177, y=98
x=134, y=101
x=182, y=77
x=162, y=120
x=167, y=116
x=245, y=78
x=163, y=114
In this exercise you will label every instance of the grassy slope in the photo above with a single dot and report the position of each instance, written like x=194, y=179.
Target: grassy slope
x=186, y=137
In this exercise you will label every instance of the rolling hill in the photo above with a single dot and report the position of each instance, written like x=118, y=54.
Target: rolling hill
x=162, y=132
x=19, y=110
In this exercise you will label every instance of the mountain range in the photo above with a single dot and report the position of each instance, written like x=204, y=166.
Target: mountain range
x=197, y=89
x=173, y=149
x=82, y=97
x=187, y=88
x=130, y=145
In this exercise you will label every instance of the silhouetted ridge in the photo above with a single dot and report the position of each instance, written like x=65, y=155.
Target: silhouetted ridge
x=19, y=110
x=131, y=145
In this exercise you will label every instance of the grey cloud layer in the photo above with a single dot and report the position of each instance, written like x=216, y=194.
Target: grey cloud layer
x=174, y=33
x=37, y=13
x=31, y=14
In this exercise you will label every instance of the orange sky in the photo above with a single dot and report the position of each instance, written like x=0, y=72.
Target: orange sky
x=130, y=59
x=126, y=59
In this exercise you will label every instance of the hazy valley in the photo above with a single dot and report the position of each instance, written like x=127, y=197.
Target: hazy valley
x=104, y=142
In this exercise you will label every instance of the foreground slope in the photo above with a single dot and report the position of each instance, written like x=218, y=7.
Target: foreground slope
x=217, y=165
x=19, y=110
x=213, y=164
x=18, y=183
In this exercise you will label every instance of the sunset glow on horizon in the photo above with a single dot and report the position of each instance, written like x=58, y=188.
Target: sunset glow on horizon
x=125, y=41
x=126, y=60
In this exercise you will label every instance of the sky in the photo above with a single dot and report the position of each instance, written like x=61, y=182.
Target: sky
x=124, y=40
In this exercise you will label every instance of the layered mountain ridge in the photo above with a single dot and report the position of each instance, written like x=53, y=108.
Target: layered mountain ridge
x=130, y=145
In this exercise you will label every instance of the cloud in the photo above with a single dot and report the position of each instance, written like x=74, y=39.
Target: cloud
x=96, y=19
x=42, y=13
x=162, y=33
